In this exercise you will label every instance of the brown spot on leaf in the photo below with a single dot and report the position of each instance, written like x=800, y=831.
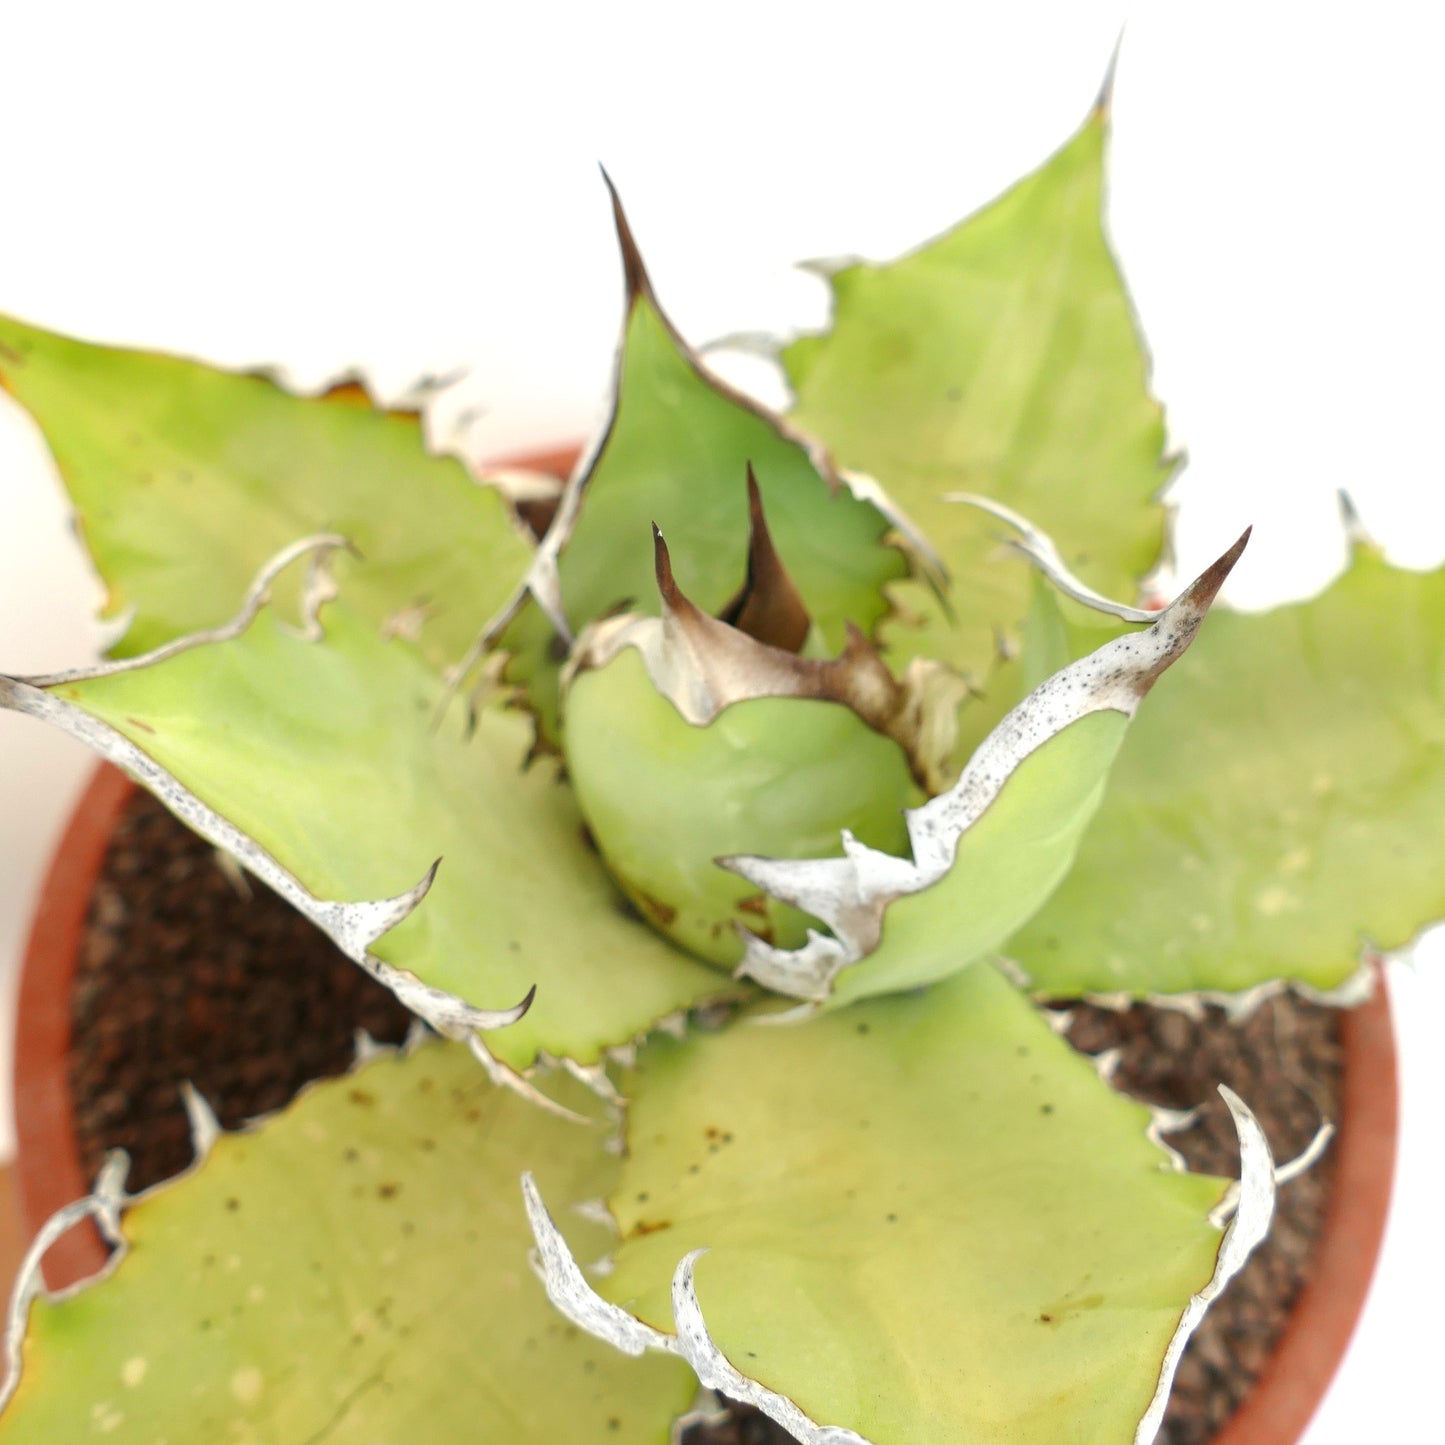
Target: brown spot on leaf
x=644, y=1227
x=664, y=913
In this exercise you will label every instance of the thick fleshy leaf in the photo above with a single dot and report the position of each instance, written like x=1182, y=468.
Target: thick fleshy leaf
x=325, y=753
x=988, y=852
x=665, y=797
x=186, y=479
x=1002, y=359
x=1279, y=803
x=355, y=1268
x=926, y=1219
x=676, y=453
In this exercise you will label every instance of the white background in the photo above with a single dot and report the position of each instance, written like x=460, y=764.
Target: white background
x=414, y=188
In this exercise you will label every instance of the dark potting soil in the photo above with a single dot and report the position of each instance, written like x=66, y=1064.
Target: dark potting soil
x=184, y=976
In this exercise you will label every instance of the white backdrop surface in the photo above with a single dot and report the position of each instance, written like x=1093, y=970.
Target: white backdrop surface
x=415, y=188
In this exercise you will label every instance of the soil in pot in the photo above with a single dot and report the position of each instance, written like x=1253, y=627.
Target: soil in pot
x=186, y=974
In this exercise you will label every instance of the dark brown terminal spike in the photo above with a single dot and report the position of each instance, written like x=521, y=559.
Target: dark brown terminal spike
x=1178, y=623
x=675, y=601
x=662, y=568
x=723, y=664
x=1205, y=587
x=768, y=606
x=633, y=270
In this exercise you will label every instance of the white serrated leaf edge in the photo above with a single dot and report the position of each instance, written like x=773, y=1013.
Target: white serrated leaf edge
x=1042, y=551
x=110, y=1199
x=570, y=1293
x=1253, y=1209
x=353, y=926
x=104, y=1205
x=1238, y=1006
x=1250, y=1202
x=850, y=894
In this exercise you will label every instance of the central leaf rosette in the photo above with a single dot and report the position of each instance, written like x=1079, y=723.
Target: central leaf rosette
x=689, y=738
x=695, y=740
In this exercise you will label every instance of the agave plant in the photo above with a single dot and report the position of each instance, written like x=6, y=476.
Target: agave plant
x=722, y=833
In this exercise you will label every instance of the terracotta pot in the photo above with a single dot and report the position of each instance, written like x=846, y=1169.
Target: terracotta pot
x=48, y=1173
x=1308, y=1353
x=47, y=1158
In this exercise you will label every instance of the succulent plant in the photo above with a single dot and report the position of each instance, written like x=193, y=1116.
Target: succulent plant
x=722, y=833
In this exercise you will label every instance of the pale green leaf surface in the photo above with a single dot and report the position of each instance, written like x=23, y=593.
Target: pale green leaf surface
x=928, y=1219
x=1006, y=865
x=985, y=855
x=354, y=1269
x=1002, y=358
x=1278, y=803
x=677, y=454
x=664, y=798
x=325, y=754
x=186, y=479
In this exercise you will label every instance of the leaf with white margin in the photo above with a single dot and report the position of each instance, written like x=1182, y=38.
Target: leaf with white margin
x=1003, y=358
x=186, y=478
x=357, y=1264
x=317, y=763
x=676, y=452
x=989, y=851
x=926, y=1218
x=663, y=797
x=686, y=738
x=1306, y=821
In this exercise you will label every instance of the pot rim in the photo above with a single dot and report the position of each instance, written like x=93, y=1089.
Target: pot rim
x=47, y=1171
x=1275, y=1412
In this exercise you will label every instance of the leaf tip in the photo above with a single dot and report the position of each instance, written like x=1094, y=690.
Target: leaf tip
x=662, y=568
x=1357, y=535
x=768, y=606
x=527, y=1001
x=1102, y=111
x=634, y=271
x=1205, y=587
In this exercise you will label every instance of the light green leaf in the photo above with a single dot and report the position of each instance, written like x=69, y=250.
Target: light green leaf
x=665, y=797
x=1278, y=803
x=987, y=853
x=187, y=479
x=326, y=755
x=356, y=1268
x=676, y=453
x=1002, y=358
x=926, y=1219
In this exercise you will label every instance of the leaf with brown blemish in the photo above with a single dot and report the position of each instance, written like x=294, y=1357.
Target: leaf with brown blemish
x=186, y=479
x=886, y=1209
x=401, y=1293
x=987, y=853
x=683, y=737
